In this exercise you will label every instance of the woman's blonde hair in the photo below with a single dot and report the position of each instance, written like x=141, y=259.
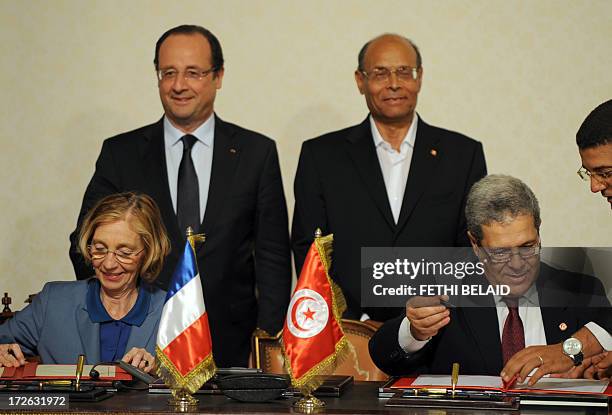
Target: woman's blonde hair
x=143, y=215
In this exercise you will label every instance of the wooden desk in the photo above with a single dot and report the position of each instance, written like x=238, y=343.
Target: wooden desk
x=359, y=399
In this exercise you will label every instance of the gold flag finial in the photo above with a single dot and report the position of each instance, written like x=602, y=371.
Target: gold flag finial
x=318, y=233
x=194, y=237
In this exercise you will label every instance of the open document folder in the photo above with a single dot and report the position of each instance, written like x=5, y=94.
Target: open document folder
x=495, y=382
x=35, y=371
x=548, y=391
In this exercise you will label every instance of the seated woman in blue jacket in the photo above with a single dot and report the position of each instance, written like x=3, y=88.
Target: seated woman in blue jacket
x=114, y=315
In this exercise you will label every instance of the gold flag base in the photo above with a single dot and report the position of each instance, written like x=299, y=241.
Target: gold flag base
x=308, y=405
x=182, y=401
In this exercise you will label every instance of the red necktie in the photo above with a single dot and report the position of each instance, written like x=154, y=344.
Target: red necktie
x=513, y=336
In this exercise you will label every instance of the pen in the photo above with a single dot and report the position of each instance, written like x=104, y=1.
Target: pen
x=510, y=384
x=79, y=371
x=431, y=391
x=44, y=383
x=455, y=377
x=424, y=392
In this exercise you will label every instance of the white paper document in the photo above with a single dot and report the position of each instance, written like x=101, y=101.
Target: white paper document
x=70, y=370
x=568, y=385
x=464, y=380
x=547, y=383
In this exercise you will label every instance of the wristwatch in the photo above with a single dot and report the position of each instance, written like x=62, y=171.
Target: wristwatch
x=572, y=348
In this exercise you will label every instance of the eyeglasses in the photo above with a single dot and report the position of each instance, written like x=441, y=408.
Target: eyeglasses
x=192, y=74
x=503, y=255
x=603, y=176
x=123, y=256
x=382, y=74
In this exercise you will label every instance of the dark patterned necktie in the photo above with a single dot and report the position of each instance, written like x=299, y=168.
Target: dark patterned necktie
x=513, y=336
x=188, y=191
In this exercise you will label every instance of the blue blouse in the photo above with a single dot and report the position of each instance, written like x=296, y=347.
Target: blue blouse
x=114, y=334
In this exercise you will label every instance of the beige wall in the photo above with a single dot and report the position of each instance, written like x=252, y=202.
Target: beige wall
x=518, y=75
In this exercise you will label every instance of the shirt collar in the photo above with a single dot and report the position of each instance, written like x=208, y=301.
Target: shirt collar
x=204, y=133
x=530, y=298
x=408, y=140
x=98, y=314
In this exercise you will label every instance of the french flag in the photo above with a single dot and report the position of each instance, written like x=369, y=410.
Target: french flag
x=184, y=345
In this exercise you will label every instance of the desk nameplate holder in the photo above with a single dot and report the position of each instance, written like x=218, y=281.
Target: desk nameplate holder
x=76, y=389
x=460, y=399
x=87, y=391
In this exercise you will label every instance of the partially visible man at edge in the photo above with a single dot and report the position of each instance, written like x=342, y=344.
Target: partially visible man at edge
x=392, y=180
x=220, y=179
x=594, y=139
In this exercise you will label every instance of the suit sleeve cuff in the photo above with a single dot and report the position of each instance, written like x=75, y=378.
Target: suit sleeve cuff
x=603, y=337
x=406, y=341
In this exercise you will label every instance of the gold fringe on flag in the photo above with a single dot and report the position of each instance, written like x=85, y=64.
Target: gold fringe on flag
x=192, y=381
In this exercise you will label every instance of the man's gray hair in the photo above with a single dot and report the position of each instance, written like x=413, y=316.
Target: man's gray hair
x=499, y=198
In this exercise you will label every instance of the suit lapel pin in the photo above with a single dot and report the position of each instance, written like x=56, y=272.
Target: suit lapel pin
x=433, y=152
x=233, y=150
x=562, y=326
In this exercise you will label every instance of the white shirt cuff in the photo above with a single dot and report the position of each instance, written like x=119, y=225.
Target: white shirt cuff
x=406, y=341
x=603, y=337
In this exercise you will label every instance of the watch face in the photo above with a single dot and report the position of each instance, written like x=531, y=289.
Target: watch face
x=572, y=346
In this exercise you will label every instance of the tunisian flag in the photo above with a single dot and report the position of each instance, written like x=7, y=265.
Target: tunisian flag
x=313, y=339
x=184, y=345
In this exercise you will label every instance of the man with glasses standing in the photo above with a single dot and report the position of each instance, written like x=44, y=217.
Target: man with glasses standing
x=392, y=180
x=549, y=320
x=594, y=139
x=215, y=177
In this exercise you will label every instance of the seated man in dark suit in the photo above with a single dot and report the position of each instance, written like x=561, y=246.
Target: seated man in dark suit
x=544, y=305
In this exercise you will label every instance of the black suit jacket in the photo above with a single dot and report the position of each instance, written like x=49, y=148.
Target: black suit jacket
x=339, y=187
x=246, y=227
x=472, y=336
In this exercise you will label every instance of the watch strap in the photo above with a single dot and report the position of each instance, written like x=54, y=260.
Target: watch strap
x=577, y=358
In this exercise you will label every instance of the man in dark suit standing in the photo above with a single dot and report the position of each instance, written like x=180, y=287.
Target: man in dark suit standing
x=392, y=180
x=594, y=140
x=549, y=319
x=220, y=179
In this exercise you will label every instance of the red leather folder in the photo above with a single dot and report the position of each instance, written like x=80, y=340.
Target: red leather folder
x=27, y=372
x=406, y=383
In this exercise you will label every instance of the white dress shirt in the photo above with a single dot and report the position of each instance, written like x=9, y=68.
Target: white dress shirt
x=395, y=165
x=201, y=153
x=531, y=316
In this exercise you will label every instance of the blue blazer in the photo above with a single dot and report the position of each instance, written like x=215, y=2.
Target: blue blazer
x=56, y=326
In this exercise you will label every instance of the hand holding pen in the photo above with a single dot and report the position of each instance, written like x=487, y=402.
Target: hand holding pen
x=427, y=315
